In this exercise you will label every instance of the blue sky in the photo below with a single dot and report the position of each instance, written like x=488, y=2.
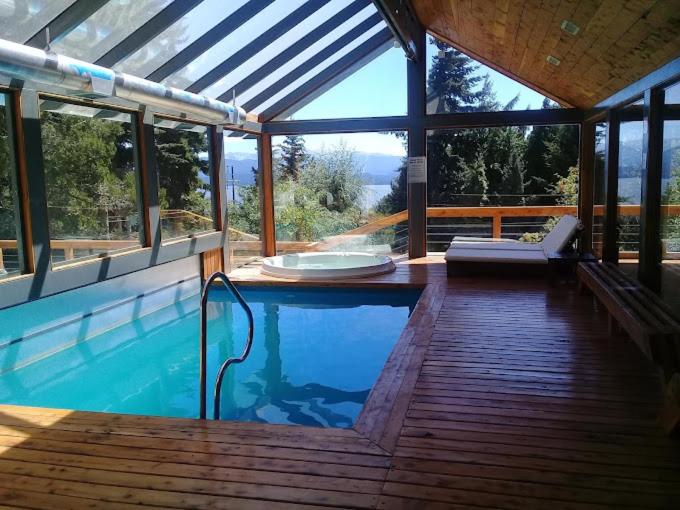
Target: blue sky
x=379, y=89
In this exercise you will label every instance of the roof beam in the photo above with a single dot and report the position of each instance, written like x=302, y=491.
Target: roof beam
x=315, y=127
x=314, y=61
x=256, y=45
x=209, y=39
x=400, y=17
x=334, y=73
x=146, y=32
x=67, y=20
x=295, y=49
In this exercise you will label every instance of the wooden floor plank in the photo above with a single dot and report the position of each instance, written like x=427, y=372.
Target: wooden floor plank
x=499, y=394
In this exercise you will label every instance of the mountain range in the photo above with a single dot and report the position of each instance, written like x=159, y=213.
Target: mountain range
x=377, y=168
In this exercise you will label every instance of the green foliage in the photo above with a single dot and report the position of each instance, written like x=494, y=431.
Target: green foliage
x=324, y=200
x=671, y=196
x=177, y=157
x=293, y=156
x=7, y=224
x=82, y=189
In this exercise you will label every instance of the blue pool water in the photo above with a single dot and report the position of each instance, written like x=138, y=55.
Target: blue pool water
x=316, y=354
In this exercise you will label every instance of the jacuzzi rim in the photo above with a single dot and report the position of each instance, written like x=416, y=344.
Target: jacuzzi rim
x=387, y=266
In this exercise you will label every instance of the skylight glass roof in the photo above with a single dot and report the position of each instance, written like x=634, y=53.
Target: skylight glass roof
x=265, y=51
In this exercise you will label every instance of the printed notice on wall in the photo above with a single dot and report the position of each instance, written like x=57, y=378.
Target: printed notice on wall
x=417, y=169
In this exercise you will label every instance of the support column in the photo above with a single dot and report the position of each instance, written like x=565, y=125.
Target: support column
x=649, y=270
x=218, y=178
x=148, y=180
x=417, y=147
x=586, y=185
x=610, y=248
x=266, y=178
x=32, y=171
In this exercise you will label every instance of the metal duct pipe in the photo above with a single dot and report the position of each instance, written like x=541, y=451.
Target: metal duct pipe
x=88, y=80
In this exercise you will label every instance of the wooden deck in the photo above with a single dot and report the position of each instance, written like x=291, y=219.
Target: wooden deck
x=500, y=394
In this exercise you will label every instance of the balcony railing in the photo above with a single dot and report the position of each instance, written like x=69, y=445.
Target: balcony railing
x=245, y=246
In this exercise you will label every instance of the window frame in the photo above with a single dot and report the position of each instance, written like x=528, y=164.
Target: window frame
x=139, y=199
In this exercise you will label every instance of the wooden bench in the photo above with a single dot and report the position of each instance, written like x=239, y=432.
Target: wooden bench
x=637, y=310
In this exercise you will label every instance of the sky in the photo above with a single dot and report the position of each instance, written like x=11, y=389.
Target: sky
x=379, y=89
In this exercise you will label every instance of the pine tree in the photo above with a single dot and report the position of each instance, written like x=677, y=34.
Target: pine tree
x=293, y=156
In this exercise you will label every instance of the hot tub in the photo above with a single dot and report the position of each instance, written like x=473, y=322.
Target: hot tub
x=327, y=266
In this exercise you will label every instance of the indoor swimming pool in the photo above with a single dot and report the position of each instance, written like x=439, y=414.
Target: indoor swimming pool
x=317, y=352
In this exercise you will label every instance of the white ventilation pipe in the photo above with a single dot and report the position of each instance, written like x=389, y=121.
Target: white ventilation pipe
x=92, y=81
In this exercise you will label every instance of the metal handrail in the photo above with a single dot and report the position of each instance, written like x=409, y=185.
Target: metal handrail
x=204, y=344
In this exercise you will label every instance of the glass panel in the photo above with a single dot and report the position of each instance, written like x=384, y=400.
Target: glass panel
x=21, y=19
x=90, y=182
x=10, y=250
x=334, y=193
x=670, y=205
x=107, y=27
x=599, y=189
x=178, y=36
x=318, y=69
x=184, y=182
x=377, y=89
x=630, y=187
x=470, y=170
x=232, y=43
x=276, y=74
x=275, y=48
x=458, y=83
x=243, y=198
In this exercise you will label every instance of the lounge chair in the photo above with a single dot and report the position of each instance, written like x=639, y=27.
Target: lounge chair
x=469, y=253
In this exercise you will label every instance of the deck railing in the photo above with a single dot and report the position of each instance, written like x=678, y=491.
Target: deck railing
x=247, y=246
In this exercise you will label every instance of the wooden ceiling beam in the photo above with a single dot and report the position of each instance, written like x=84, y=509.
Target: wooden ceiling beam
x=400, y=17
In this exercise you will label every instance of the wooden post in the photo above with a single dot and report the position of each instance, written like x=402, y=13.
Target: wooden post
x=497, y=226
x=147, y=177
x=30, y=152
x=268, y=228
x=19, y=181
x=218, y=180
x=610, y=248
x=586, y=185
x=649, y=269
x=417, y=191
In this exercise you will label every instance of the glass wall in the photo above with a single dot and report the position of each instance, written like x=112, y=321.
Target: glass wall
x=90, y=181
x=184, y=180
x=631, y=140
x=341, y=193
x=670, y=201
x=531, y=172
x=10, y=250
x=458, y=83
x=599, y=187
x=243, y=198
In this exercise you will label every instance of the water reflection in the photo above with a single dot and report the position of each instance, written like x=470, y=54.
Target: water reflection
x=272, y=393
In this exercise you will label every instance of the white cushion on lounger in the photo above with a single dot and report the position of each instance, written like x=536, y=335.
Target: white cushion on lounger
x=497, y=246
x=483, y=240
x=563, y=231
x=504, y=256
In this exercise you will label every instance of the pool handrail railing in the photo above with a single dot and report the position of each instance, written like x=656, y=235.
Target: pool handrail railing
x=204, y=343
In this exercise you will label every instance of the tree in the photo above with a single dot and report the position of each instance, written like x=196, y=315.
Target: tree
x=293, y=157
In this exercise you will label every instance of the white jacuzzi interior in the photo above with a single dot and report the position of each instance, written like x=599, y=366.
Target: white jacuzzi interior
x=304, y=266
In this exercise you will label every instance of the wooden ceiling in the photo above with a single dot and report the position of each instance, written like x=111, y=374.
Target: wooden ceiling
x=619, y=41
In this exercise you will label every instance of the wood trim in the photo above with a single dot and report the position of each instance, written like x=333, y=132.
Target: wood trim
x=211, y=261
x=267, y=195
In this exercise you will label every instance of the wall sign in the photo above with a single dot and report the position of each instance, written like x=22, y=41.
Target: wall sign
x=417, y=169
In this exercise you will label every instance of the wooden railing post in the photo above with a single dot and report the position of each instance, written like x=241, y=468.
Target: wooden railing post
x=496, y=225
x=267, y=226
